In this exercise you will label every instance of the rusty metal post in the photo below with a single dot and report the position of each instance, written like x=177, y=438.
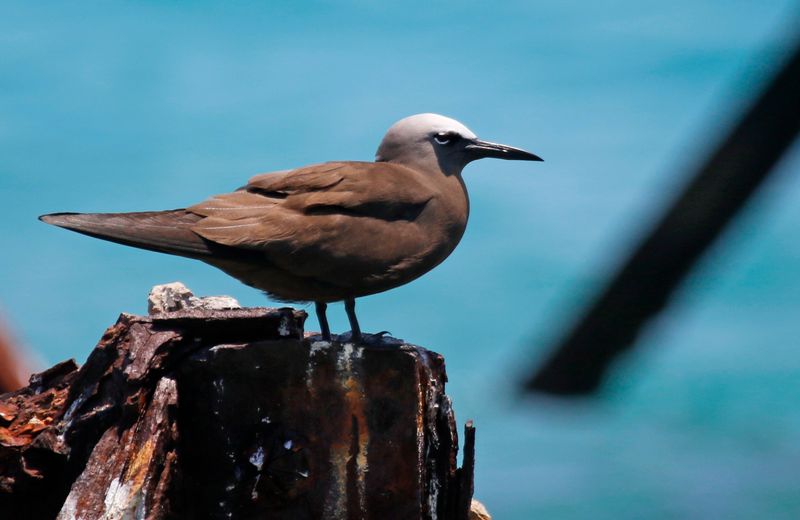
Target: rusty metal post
x=233, y=414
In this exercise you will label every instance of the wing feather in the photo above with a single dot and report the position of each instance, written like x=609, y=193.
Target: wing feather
x=162, y=231
x=327, y=221
x=270, y=207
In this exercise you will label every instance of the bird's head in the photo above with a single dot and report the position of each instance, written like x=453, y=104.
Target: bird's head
x=431, y=141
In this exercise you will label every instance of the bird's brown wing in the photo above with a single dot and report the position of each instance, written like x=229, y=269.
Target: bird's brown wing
x=377, y=190
x=339, y=222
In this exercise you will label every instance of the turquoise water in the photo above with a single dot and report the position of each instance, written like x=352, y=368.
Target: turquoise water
x=135, y=106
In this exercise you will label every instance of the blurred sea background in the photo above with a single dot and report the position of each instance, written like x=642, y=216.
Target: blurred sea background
x=126, y=106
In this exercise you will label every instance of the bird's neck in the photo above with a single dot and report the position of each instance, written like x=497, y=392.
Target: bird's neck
x=450, y=185
x=428, y=163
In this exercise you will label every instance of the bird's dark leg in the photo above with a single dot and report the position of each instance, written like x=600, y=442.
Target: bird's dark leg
x=355, y=330
x=321, y=307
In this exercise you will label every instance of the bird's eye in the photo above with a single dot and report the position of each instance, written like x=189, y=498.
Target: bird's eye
x=445, y=138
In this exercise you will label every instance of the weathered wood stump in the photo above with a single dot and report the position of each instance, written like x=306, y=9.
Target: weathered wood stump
x=233, y=414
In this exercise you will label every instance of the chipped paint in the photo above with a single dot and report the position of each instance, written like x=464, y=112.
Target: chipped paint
x=257, y=458
x=285, y=326
x=68, y=415
x=117, y=500
x=336, y=498
x=219, y=385
x=70, y=508
x=433, y=497
x=316, y=348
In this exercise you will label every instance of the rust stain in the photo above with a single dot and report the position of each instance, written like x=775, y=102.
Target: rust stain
x=346, y=496
x=8, y=411
x=126, y=494
x=354, y=397
x=10, y=439
x=335, y=505
x=140, y=463
x=25, y=417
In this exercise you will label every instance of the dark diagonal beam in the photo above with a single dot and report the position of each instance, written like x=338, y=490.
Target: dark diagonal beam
x=643, y=286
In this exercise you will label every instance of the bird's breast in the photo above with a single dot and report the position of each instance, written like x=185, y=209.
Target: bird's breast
x=442, y=224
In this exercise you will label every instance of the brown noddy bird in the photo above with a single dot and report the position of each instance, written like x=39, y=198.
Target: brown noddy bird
x=326, y=232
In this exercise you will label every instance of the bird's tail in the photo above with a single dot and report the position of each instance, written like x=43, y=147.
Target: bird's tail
x=162, y=231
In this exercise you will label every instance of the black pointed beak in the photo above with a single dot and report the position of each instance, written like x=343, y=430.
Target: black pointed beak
x=479, y=149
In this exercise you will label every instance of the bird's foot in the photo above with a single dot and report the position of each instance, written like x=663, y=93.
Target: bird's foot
x=349, y=337
x=319, y=336
x=375, y=339
x=364, y=339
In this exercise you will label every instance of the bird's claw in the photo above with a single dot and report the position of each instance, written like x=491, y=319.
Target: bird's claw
x=377, y=338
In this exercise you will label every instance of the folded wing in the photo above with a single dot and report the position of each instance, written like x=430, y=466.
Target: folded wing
x=339, y=221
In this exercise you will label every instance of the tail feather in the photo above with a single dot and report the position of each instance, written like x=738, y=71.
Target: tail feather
x=162, y=231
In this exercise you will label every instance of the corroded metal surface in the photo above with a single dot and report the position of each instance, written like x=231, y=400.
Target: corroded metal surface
x=316, y=430
x=232, y=414
x=32, y=455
